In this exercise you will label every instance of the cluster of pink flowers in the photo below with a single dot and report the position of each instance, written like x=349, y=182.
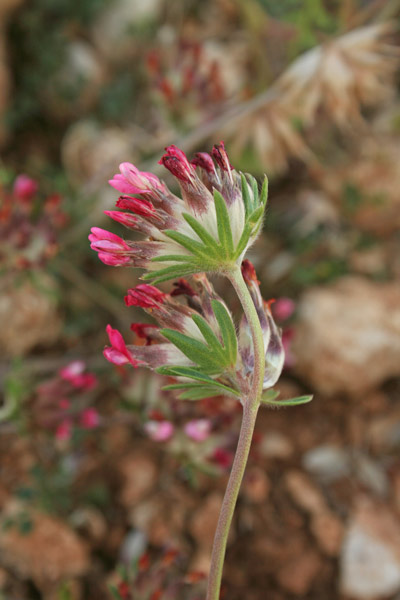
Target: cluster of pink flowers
x=197, y=430
x=58, y=402
x=183, y=234
x=29, y=224
x=208, y=230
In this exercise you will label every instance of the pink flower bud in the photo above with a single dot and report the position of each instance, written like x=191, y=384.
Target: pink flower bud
x=25, y=187
x=89, y=418
x=138, y=206
x=124, y=218
x=159, y=431
x=223, y=458
x=64, y=430
x=183, y=288
x=249, y=272
x=221, y=157
x=145, y=296
x=73, y=369
x=204, y=161
x=283, y=308
x=64, y=404
x=144, y=331
x=118, y=353
x=198, y=429
x=176, y=162
x=113, y=260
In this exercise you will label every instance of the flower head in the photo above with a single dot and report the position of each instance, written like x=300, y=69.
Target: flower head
x=25, y=188
x=274, y=350
x=208, y=229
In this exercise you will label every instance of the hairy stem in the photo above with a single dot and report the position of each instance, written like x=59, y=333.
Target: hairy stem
x=250, y=409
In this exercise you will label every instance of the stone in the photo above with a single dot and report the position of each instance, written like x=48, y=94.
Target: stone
x=50, y=552
x=328, y=530
x=327, y=462
x=92, y=153
x=28, y=315
x=204, y=521
x=139, y=475
x=297, y=576
x=347, y=338
x=256, y=485
x=304, y=493
x=276, y=445
x=370, y=556
x=81, y=75
x=113, y=30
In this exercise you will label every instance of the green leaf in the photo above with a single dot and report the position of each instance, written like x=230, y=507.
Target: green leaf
x=200, y=393
x=227, y=328
x=187, y=242
x=172, y=272
x=244, y=239
x=256, y=215
x=223, y=224
x=195, y=350
x=254, y=186
x=209, y=335
x=172, y=258
x=192, y=373
x=202, y=232
x=247, y=199
x=264, y=192
x=269, y=395
x=291, y=402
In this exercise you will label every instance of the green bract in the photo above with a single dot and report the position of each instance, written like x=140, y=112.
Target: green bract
x=205, y=252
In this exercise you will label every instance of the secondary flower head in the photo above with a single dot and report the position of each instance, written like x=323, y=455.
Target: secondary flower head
x=196, y=340
x=207, y=229
x=274, y=350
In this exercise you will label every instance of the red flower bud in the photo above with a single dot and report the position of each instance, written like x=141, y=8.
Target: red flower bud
x=145, y=296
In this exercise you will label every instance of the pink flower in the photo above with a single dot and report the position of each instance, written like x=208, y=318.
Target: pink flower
x=159, y=431
x=223, y=458
x=89, y=418
x=118, y=353
x=64, y=404
x=287, y=339
x=145, y=296
x=198, y=429
x=124, y=218
x=204, y=161
x=176, y=162
x=25, y=187
x=74, y=373
x=64, y=430
x=283, y=308
x=111, y=248
x=221, y=157
x=133, y=181
x=72, y=370
x=138, y=206
x=145, y=331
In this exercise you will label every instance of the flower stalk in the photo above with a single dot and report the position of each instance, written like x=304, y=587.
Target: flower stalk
x=250, y=409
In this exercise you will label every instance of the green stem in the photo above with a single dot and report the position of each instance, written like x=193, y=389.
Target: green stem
x=250, y=408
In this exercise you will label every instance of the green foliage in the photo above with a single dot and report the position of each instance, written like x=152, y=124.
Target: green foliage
x=269, y=398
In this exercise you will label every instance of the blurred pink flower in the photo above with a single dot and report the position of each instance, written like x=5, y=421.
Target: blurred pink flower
x=64, y=430
x=287, y=338
x=283, y=308
x=198, y=429
x=89, y=418
x=159, y=431
x=25, y=187
x=223, y=457
x=74, y=373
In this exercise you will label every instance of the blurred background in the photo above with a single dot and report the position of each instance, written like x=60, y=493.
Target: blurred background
x=110, y=487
